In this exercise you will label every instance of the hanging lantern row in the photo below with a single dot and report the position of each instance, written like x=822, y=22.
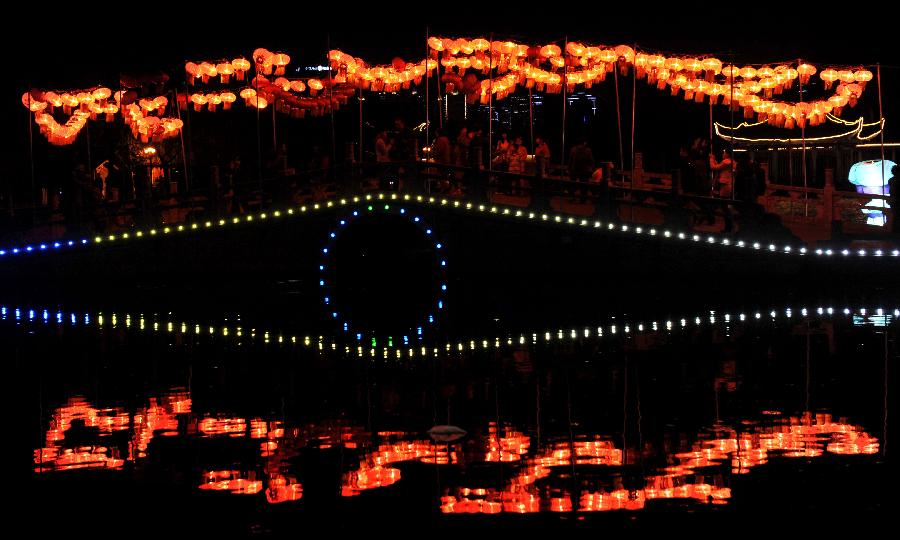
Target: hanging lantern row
x=266, y=63
x=93, y=104
x=392, y=78
x=282, y=94
x=547, y=68
x=204, y=71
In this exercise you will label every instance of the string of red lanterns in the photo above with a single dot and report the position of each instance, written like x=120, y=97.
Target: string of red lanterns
x=506, y=66
x=516, y=64
x=145, y=116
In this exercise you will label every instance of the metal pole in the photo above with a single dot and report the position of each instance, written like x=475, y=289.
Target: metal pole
x=31, y=158
x=360, y=98
x=491, y=106
x=562, y=146
x=331, y=109
x=427, y=103
x=258, y=133
x=87, y=126
x=803, y=165
x=187, y=180
x=531, y=118
x=633, y=111
x=440, y=100
x=731, y=136
x=894, y=211
x=619, y=118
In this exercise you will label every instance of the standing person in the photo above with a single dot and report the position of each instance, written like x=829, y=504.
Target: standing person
x=382, y=147
x=501, y=153
x=700, y=167
x=462, y=148
x=541, y=157
x=383, y=150
x=894, y=198
x=440, y=151
x=581, y=162
x=402, y=151
x=517, y=156
x=476, y=150
x=725, y=176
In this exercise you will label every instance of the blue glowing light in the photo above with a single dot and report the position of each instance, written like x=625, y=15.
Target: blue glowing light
x=321, y=267
x=18, y=314
x=403, y=210
x=2, y=252
x=70, y=243
x=87, y=319
x=419, y=330
x=871, y=177
x=440, y=304
x=29, y=248
x=406, y=340
x=321, y=282
x=427, y=231
x=416, y=219
x=15, y=250
x=443, y=263
x=345, y=327
x=443, y=286
x=438, y=246
x=333, y=235
x=84, y=241
x=327, y=300
x=334, y=315
x=43, y=246
x=3, y=311
x=355, y=213
x=56, y=244
x=431, y=318
x=46, y=315
x=30, y=313
x=358, y=337
x=343, y=222
x=59, y=317
x=324, y=250
x=73, y=319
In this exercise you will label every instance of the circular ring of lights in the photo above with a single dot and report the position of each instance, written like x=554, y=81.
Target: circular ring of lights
x=384, y=208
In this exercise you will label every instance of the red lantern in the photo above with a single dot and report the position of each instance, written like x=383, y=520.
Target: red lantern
x=280, y=60
x=240, y=65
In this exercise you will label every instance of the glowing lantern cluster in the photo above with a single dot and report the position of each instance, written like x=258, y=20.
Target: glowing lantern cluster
x=389, y=78
x=80, y=106
x=267, y=62
x=224, y=70
x=483, y=70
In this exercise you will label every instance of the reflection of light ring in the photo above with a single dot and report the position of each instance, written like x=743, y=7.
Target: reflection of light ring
x=334, y=314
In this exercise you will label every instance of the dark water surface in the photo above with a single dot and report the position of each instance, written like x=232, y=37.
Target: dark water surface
x=762, y=419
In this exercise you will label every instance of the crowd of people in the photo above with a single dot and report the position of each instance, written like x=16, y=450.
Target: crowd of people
x=89, y=201
x=702, y=173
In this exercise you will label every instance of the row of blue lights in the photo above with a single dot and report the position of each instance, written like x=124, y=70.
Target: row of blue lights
x=345, y=324
x=389, y=349
x=43, y=247
x=513, y=212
